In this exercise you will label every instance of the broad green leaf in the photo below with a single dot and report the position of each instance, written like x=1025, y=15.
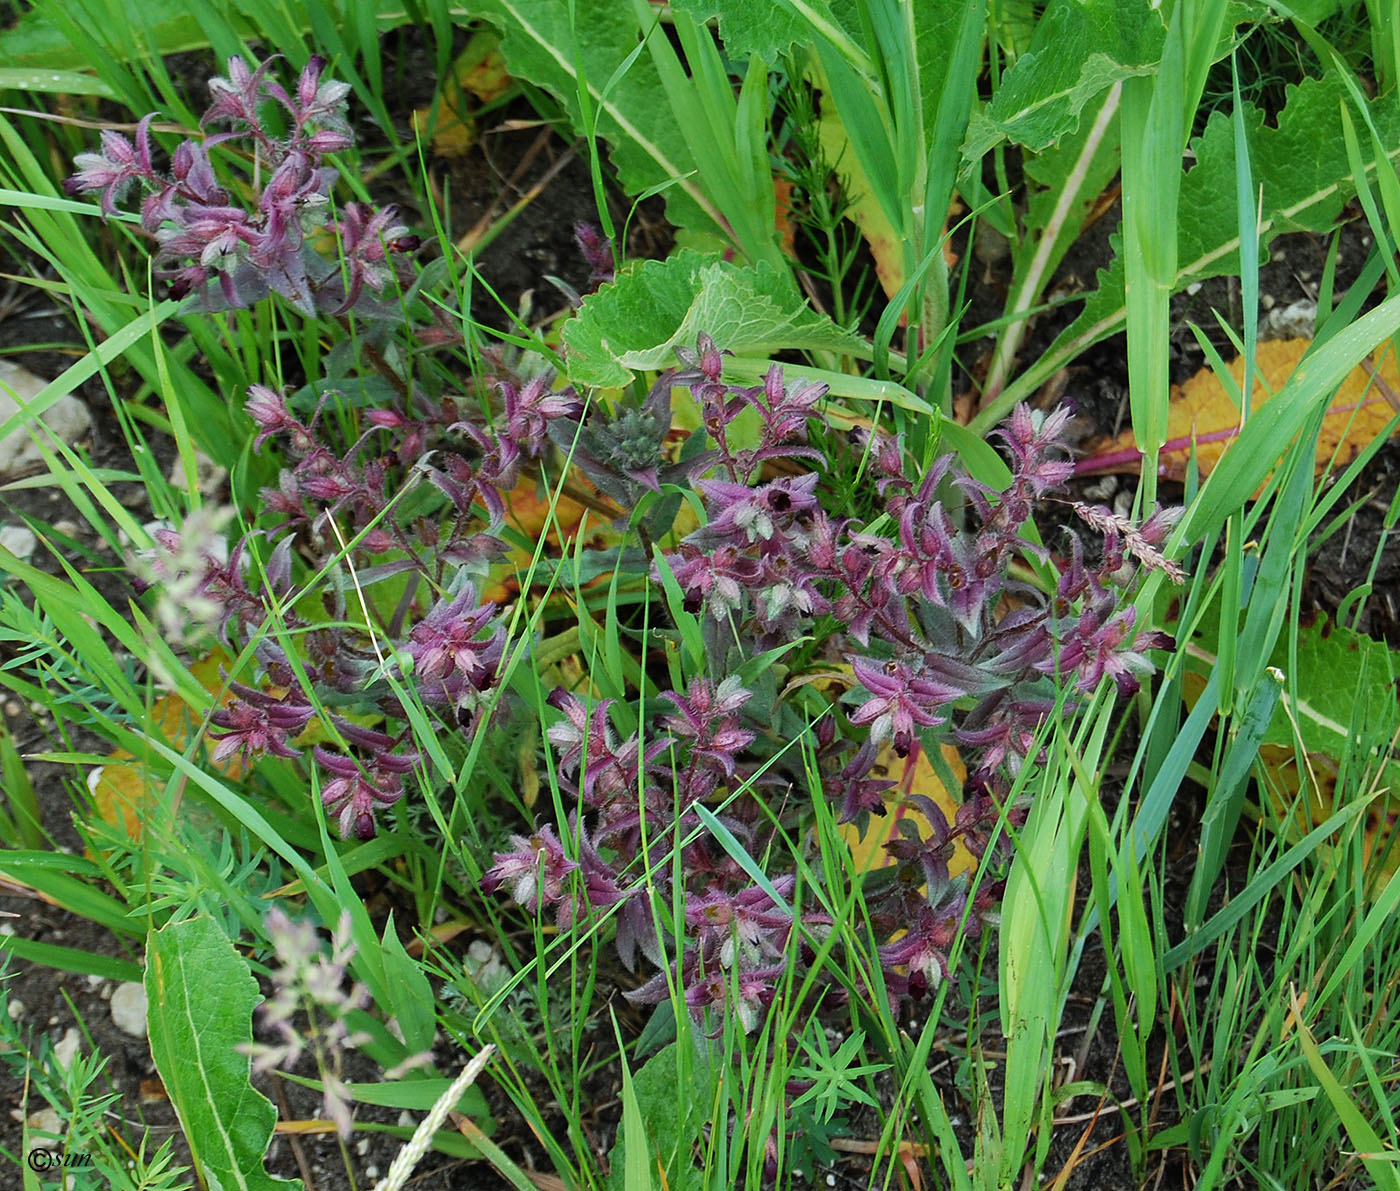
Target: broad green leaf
x=766, y=30
x=1080, y=49
x=201, y=995
x=545, y=47
x=635, y=323
x=1339, y=676
x=670, y=1107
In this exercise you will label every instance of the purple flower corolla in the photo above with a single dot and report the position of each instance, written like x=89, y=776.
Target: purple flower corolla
x=536, y=869
x=708, y=718
x=752, y=989
x=367, y=238
x=919, y=958
x=356, y=793
x=715, y=578
x=520, y=432
x=448, y=640
x=607, y=770
x=116, y=167
x=900, y=700
x=1098, y=647
x=1033, y=439
x=254, y=723
x=749, y=514
x=744, y=926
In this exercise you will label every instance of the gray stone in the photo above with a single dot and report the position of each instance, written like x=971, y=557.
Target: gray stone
x=19, y=540
x=129, y=1009
x=67, y=419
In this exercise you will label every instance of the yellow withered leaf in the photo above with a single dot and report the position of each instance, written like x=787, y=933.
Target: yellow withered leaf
x=480, y=72
x=1203, y=415
x=914, y=774
x=124, y=791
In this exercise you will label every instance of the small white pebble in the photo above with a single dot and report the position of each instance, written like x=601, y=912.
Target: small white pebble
x=69, y=529
x=105, y=992
x=93, y=980
x=371, y=1172
x=19, y=540
x=15, y=1009
x=129, y=1008
x=406, y=1120
x=831, y=1180
x=12, y=707
x=65, y=1050
x=362, y=1146
x=1194, y=288
x=44, y=1121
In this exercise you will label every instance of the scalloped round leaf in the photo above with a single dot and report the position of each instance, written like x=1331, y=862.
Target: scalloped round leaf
x=635, y=322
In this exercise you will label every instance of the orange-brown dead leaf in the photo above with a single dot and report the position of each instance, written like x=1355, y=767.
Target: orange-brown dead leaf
x=782, y=205
x=528, y=511
x=1203, y=416
x=123, y=790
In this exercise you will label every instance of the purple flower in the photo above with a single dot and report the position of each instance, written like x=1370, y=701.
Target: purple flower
x=254, y=723
x=901, y=700
x=860, y=793
x=753, y=989
x=918, y=961
x=1098, y=647
x=536, y=870
x=366, y=239
x=597, y=252
x=447, y=640
x=747, y=514
x=115, y=168
x=708, y=718
x=743, y=926
x=715, y=578
x=1033, y=438
x=356, y=794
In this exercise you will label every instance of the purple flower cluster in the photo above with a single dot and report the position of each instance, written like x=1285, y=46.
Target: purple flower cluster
x=922, y=620
x=936, y=634
x=210, y=243
x=336, y=501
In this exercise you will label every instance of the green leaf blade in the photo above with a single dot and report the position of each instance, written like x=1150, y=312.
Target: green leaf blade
x=201, y=995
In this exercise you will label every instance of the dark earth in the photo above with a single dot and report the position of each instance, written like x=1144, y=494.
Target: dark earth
x=516, y=155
